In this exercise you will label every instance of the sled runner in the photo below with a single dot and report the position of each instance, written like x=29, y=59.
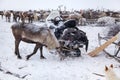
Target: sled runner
x=106, y=46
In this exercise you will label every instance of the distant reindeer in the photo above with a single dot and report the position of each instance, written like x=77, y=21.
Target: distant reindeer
x=110, y=74
x=7, y=15
x=75, y=16
x=30, y=33
x=2, y=13
x=16, y=16
x=30, y=16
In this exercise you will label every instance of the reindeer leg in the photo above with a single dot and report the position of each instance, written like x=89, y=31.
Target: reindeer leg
x=2, y=16
x=17, y=42
x=19, y=19
x=9, y=19
x=35, y=50
x=41, y=54
x=6, y=19
x=28, y=19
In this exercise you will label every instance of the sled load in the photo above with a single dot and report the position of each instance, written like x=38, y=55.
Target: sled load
x=71, y=39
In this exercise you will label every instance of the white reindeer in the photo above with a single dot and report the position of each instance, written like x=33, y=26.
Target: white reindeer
x=110, y=74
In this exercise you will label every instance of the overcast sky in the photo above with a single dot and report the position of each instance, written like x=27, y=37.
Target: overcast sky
x=53, y=4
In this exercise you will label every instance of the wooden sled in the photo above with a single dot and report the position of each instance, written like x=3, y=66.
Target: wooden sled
x=107, y=42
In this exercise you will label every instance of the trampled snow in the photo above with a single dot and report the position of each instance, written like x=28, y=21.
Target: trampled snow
x=51, y=68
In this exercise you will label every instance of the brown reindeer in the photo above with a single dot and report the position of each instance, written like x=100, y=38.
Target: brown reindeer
x=27, y=15
x=76, y=16
x=23, y=16
x=30, y=33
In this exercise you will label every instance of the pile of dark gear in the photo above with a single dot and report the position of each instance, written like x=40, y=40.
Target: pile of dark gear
x=71, y=38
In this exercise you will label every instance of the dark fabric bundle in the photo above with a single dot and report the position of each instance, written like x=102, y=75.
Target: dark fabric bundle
x=73, y=35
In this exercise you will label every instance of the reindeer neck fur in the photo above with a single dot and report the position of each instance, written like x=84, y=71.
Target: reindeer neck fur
x=52, y=41
x=110, y=75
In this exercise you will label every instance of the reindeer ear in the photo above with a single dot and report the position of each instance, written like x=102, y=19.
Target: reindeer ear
x=111, y=65
x=106, y=68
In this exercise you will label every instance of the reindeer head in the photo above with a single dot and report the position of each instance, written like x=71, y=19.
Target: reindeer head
x=110, y=74
x=108, y=68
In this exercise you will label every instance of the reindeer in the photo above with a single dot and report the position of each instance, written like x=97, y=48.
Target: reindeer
x=44, y=15
x=75, y=16
x=2, y=13
x=30, y=33
x=30, y=16
x=7, y=15
x=16, y=16
x=110, y=74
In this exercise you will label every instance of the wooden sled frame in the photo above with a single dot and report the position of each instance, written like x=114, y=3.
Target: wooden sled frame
x=117, y=48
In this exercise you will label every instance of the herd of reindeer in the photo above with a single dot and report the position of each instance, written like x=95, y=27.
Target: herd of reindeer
x=33, y=15
x=43, y=36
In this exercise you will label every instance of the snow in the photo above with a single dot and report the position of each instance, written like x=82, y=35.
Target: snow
x=52, y=68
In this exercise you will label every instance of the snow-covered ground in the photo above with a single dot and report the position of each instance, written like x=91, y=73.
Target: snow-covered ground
x=82, y=68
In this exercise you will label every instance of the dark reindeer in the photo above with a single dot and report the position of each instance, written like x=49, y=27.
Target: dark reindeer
x=30, y=16
x=30, y=33
x=2, y=13
x=16, y=16
x=7, y=15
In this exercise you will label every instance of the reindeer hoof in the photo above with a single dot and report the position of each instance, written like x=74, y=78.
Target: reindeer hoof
x=19, y=57
x=27, y=57
x=42, y=57
x=15, y=53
